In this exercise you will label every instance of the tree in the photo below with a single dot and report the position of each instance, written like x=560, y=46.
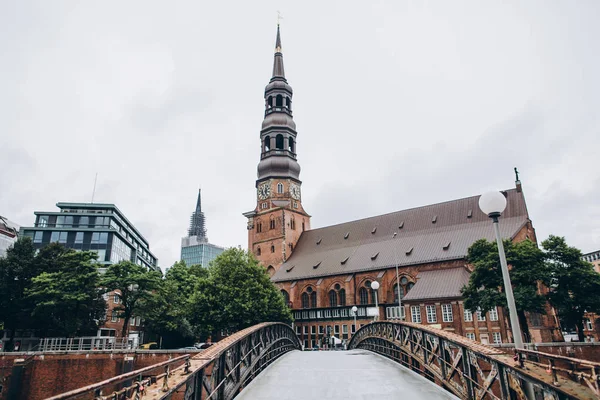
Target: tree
x=486, y=286
x=575, y=286
x=17, y=270
x=66, y=295
x=135, y=285
x=167, y=311
x=237, y=293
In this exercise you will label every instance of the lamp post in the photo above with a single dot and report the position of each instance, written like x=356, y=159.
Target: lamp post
x=493, y=204
x=397, y=281
x=375, y=286
x=354, y=310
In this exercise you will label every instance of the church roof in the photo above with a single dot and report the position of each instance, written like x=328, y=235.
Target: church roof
x=438, y=284
x=433, y=233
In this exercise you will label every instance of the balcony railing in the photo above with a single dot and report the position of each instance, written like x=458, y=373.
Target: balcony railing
x=344, y=312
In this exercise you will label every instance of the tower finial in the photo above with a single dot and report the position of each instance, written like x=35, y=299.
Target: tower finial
x=278, y=71
x=517, y=181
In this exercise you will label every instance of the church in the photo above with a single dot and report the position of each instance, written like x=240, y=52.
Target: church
x=416, y=256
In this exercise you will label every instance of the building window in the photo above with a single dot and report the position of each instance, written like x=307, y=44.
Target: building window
x=280, y=188
x=138, y=321
x=293, y=224
x=272, y=223
x=286, y=297
x=258, y=227
x=468, y=316
x=332, y=298
x=353, y=328
x=298, y=329
x=258, y=251
x=304, y=300
x=263, y=206
x=116, y=298
x=496, y=336
x=480, y=316
x=470, y=335
x=295, y=204
x=364, y=296
x=272, y=249
x=313, y=299
x=60, y=221
x=305, y=329
x=342, y=297
x=588, y=324
x=336, y=329
x=494, y=314
x=345, y=329
x=415, y=312
x=447, y=313
x=79, y=238
x=42, y=221
x=431, y=314
x=37, y=237
x=132, y=321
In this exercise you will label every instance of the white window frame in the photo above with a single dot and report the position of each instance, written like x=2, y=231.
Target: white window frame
x=468, y=315
x=493, y=313
x=313, y=330
x=447, y=315
x=470, y=335
x=305, y=329
x=336, y=329
x=345, y=329
x=588, y=324
x=415, y=312
x=480, y=316
x=431, y=314
x=116, y=298
x=496, y=337
x=114, y=316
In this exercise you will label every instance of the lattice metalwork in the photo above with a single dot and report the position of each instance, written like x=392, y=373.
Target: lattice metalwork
x=473, y=371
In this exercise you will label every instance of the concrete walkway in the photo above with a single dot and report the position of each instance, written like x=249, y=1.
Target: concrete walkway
x=354, y=374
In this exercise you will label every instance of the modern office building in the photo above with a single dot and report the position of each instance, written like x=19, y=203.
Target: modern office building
x=8, y=234
x=195, y=248
x=101, y=228
x=594, y=259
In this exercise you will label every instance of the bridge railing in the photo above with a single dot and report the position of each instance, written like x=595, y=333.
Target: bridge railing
x=471, y=370
x=218, y=373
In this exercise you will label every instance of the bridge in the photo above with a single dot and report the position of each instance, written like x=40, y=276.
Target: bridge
x=385, y=359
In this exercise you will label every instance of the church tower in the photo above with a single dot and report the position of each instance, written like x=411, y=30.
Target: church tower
x=279, y=218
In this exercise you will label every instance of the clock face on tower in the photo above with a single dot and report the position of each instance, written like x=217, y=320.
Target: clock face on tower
x=264, y=190
x=295, y=191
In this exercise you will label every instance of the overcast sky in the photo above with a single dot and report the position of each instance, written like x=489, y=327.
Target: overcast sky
x=398, y=104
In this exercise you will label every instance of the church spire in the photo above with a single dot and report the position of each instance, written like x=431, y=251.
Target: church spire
x=278, y=71
x=197, y=221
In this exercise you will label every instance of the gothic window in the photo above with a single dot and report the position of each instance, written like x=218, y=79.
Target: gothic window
x=272, y=223
x=342, y=297
x=286, y=297
x=258, y=252
x=267, y=143
x=291, y=145
x=293, y=223
x=364, y=296
x=279, y=101
x=280, y=188
x=332, y=298
x=279, y=142
x=272, y=249
x=313, y=300
x=305, y=300
x=405, y=286
x=258, y=227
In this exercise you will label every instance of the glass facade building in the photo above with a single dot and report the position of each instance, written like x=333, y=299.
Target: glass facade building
x=101, y=228
x=197, y=253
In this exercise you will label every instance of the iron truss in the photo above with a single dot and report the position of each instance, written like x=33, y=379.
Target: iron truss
x=218, y=373
x=473, y=371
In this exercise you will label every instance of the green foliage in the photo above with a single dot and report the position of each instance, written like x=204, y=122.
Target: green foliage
x=575, y=286
x=486, y=286
x=66, y=296
x=237, y=293
x=135, y=284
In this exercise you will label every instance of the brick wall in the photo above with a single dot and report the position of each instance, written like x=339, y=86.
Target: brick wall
x=46, y=375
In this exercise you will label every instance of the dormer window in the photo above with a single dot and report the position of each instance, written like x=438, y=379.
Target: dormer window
x=346, y=235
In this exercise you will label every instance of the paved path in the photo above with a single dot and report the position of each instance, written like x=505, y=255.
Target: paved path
x=355, y=374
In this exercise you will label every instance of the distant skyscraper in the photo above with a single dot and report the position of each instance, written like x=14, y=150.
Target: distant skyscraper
x=195, y=248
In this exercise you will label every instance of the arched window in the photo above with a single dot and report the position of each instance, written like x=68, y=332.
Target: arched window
x=291, y=144
x=270, y=102
x=342, y=297
x=395, y=294
x=288, y=103
x=258, y=252
x=286, y=297
x=267, y=143
x=259, y=227
x=305, y=300
x=302, y=225
x=271, y=270
x=272, y=223
x=293, y=223
x=364, y=296
x=313, y=300
x=332, y=298
x=279, y=101
x=280, y=188
x=272, y=249
x=279, y=142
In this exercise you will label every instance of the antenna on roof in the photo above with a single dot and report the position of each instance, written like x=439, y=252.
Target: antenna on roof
x=94, y=191
x=517, y=181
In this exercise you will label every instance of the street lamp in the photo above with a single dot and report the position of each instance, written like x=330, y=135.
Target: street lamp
x=354, y=310
x=397, y=280
x=493, y=204
x=375, y=286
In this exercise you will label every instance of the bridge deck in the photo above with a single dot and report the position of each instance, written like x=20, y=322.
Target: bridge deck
x=354, y=374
